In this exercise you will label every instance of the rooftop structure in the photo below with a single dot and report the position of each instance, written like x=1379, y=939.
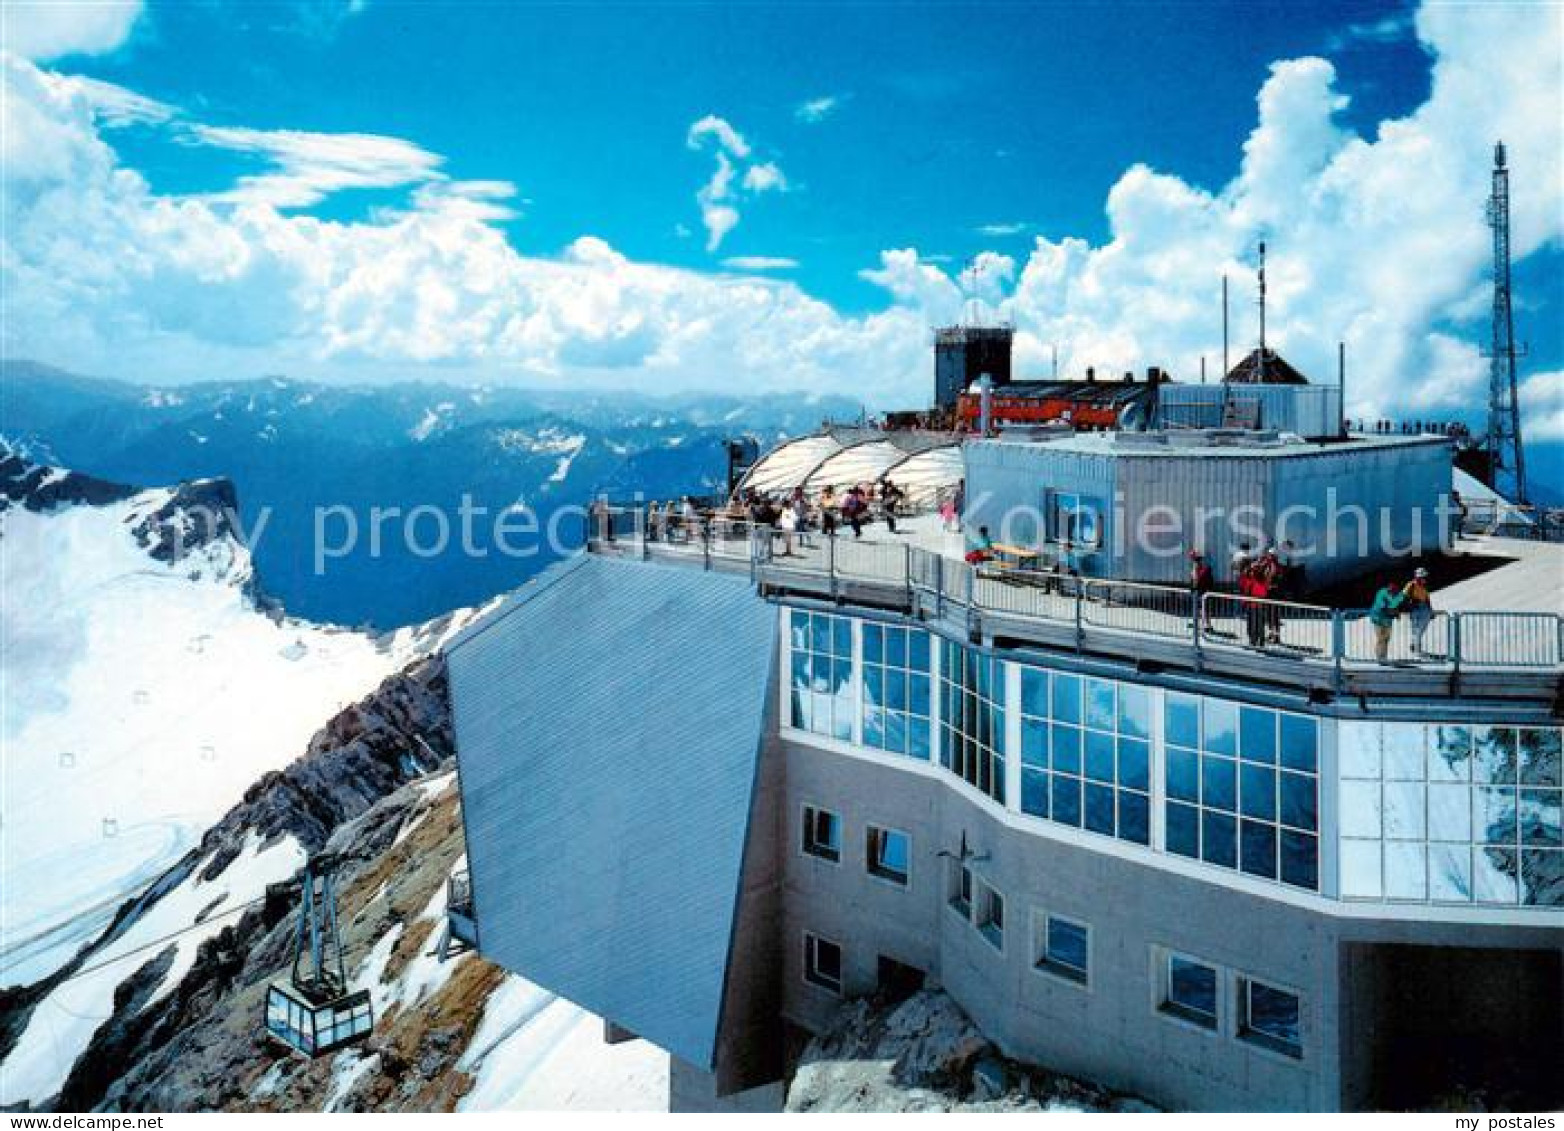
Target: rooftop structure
x=1264, y=367
x=962, y=354
x=1132, y=505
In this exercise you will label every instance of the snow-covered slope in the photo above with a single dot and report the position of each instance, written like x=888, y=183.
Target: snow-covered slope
x=172, y=746
x=140, y=698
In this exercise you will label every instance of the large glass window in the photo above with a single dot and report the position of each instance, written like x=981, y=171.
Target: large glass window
x=822, y=675
x=1451, y=813
x=972, y=717
x=1086, y=753
x=896, y=689
x=1242, y=788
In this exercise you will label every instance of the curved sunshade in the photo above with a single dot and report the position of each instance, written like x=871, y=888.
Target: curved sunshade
x=860, y=463
x=789, y=464
x=929, y=474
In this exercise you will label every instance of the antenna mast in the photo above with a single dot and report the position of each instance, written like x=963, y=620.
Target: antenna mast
x=1506, y=456
x=1260, y=358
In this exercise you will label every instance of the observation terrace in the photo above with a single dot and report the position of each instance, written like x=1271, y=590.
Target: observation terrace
x=1496, y=636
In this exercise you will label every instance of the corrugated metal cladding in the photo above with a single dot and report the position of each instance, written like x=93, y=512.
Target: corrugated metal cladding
x=1007, y=482
x=608, y=727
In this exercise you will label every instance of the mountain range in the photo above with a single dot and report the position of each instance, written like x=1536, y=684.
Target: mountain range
x=312, y=462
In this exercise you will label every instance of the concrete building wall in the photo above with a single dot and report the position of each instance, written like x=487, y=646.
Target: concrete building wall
x=1110, y=1029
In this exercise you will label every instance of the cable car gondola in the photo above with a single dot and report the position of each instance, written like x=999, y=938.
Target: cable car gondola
x=312, y=1011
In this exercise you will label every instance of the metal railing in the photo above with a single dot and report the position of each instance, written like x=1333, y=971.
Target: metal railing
x=843, y=567
x=1283, y=627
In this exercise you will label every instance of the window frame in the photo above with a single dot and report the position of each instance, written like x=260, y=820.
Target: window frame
x=901, y=881
x=811, y=973
x=985, y=898
x=1177, y=1012
x=1243, y=1031
x=961, y=883
x=1043, y=963
x=806, y=830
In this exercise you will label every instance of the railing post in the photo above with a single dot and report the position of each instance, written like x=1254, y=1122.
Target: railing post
x=939, y=585
x=1080, y=625
x=1455, y=651
x=1338, y=645
x=830, y=567
x=1198, y=612
x=906, y=571
x=706, y=546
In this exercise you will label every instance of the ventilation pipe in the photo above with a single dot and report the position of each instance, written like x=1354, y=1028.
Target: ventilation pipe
x=985, y=404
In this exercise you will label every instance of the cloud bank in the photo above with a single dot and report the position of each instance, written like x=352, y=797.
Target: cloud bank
x=1378, y=241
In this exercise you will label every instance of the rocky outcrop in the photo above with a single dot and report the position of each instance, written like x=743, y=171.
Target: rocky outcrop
x=925, y=1054
x=38, y=487
x=194, y=515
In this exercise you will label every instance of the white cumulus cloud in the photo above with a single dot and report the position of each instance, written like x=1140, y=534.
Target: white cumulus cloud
x=52, y=29
x=1376, y=239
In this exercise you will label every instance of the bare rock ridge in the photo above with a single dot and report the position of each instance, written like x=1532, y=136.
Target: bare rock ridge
x=925, y=1054
x=38, y=487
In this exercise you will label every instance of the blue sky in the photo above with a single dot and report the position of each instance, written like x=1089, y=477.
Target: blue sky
x=953, y=128
x=754, y=197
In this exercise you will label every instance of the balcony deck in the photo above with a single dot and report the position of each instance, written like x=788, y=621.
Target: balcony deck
x=1499, y=635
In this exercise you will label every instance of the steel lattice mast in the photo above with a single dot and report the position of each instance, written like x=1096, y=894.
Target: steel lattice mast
x=1506, y=456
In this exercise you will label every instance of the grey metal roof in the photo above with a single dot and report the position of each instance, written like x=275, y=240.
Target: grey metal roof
x=608, y=728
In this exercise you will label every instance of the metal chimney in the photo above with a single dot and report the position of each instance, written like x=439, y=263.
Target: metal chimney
x=985, y=404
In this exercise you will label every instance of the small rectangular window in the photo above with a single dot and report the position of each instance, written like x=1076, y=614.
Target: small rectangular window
x=1065, y=949
x=889, y=855
x=822, y=963
x=1190, y=991
x=961, y=889
x=822, y=834
x=991, y=915
x=1271, y=1018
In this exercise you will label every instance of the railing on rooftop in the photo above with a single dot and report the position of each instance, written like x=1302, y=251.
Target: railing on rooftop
x=1160, y=621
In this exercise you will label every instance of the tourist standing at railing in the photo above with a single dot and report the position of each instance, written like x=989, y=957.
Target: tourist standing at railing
x=1272, y=576
x=947, y=515
x=1382, y=615
x=654, y=522
x=828, y=512
x=853, y=508
x=980, y=548
x=800, y=509
x=788, y=523
x=604, y=519
x=1240, y=564
x=1420, y=607
x=1201, y=582
x=890, y=499
x=1252, y=588
x=690, y=519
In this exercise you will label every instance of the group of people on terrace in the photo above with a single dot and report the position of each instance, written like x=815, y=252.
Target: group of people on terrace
x=789, y=517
